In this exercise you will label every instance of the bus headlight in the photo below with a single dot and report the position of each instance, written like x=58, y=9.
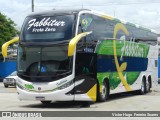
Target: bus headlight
x=20, y=86
x=65, y=85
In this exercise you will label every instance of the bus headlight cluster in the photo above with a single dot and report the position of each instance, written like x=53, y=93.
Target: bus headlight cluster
x=20, y=86
x=58, y=88
x=65, y=85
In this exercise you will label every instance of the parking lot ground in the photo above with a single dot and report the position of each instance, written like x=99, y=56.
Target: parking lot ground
x=117, y=102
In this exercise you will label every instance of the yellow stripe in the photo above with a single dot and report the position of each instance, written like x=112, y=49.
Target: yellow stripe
x=120, y=69
x=107, y=17
x=92, y=93
x=5, y=46
x=74, y=41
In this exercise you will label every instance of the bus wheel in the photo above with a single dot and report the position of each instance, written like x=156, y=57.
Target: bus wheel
x=46, y=102
x=6, y=86
x=103, y=96
x=143, y=86
x=148, y=85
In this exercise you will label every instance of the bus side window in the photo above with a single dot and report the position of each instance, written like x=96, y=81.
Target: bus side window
x=86, y=24
x=80, y=30
x=85, y=63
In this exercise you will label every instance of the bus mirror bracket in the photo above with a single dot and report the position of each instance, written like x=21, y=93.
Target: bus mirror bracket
x=74, y=41
x=5, y=46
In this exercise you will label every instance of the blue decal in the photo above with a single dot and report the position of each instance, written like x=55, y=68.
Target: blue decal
x=43, y=69
x=107, y=64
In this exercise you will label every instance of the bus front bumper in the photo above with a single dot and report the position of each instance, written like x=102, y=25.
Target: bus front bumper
x=59, y=95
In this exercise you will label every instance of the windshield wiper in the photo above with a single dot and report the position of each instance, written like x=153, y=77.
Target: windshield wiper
x=62, y=72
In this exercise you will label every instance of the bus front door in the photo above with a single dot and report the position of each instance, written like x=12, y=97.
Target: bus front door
x=85, y=80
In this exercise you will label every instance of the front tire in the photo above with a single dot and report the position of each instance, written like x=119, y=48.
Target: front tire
x=148, y=86
x=143, y=87
x=104, y=94
x=6, y=86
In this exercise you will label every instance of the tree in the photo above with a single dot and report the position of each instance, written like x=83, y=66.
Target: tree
x=7, y=29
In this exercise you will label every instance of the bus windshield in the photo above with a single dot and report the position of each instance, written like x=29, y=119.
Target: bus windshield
x=44, y=61
x=47, y=28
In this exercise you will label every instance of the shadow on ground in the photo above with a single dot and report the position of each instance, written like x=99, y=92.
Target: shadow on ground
x=80, y=104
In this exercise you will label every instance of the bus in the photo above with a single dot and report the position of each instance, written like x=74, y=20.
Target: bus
x=83, y=55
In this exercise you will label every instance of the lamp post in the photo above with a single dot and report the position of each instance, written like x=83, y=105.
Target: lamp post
x=32, y=5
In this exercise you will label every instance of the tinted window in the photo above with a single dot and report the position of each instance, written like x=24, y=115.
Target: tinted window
x=85, y=63
x=101, y=28
x=44, y=61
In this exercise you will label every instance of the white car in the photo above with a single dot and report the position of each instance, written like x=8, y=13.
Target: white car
x=10, y=80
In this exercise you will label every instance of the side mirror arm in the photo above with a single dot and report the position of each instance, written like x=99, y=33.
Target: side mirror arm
x=74, y=41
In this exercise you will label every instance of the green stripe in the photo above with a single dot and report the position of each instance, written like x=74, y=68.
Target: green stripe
x=106, y=48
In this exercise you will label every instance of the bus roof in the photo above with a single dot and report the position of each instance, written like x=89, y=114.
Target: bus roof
x=71, y=11
x=57, y=12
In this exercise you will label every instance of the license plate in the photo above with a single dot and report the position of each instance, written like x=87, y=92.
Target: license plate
x=9, y=80
x=40, y=98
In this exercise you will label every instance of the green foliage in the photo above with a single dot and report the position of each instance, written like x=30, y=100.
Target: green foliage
x=7, y=29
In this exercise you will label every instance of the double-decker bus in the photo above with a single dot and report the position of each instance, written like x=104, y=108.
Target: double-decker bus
x=83, y=55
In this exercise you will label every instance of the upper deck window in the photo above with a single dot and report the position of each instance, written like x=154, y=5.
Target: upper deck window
x=47, y=28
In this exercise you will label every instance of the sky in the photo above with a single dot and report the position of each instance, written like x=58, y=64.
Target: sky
x=142, y=12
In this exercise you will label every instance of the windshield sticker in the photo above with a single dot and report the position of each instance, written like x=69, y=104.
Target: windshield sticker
x=46, y=24
x=43, y=69
x=86, y=23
